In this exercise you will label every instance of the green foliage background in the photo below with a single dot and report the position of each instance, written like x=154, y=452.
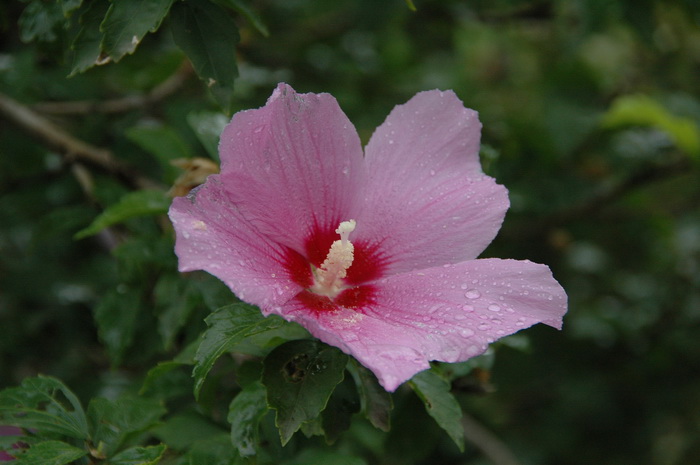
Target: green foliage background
x=591, y=114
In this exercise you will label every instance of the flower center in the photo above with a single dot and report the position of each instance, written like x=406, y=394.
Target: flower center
x=329, y=278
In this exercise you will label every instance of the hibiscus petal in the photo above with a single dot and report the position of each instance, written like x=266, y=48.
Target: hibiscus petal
x=448, y=314
x=212, y=235
x=294, y=166
x=427, y=200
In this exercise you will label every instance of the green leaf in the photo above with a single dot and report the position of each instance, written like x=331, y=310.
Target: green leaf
x=208, y=127
x=208, y=36
x=252, y=17
x=68, y=6
x=300, y=377
x=40, y=403
x=181, y=431
x=325, y=457
x=411, y=6
x=228, y=327
x=215, y=451
x=149, y=455
x=642, y=110
x=49, y=453
x=164, y=143
x=111, y=421
x=342, y=405
x=244, y=413
x=40, y=20
x=376, y=402
x=440, y=404
x=133, y=204
x=176, y=299
x=128, y=21
x=85, y=49
x=116, y=317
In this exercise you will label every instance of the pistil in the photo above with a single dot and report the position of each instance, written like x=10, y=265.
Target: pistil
x=329, y=277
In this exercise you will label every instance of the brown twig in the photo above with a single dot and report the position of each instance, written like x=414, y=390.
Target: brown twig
x=119, y=105
x=72, y=148
x=488, y=443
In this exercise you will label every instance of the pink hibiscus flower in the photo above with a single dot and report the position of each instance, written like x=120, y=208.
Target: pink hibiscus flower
x=376, y=253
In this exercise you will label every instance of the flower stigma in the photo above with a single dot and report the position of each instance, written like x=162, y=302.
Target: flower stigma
x=328, y=279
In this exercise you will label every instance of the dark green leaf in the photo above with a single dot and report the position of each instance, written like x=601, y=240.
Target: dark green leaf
x=343, y=404
x=300, y=377
x=252, y=17
x=49, y=453
x=376, y=402
x=139, y=203
x=68, y=6
x=39, y=403
x=139, y=456
x=116, y=317
x=160, y=379
x=228, y=327
x=208, y=36
x=208, y=127
x=175, y=301
x=440, y=404
x=244, y=414
x=128, y=21
x=164, y=143
x=112, y=421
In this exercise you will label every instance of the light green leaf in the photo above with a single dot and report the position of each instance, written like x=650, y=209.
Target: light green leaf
x=642, y=110
x=300, y=377
x=252, y=17
x=244, y=413
x=133, y=204
x=228, y=327
x=38, y=403
x=440, y=404
x=208, y=36
x=128, y=21
x=208, y=127
x=139, y=456
x=49, y=453
x=411, y=6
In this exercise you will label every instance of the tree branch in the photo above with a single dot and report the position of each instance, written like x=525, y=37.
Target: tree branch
x=72, y=148
x=488, y=443
x=119, y=105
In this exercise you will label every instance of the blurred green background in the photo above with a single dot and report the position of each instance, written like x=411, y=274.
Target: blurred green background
x=591, y=115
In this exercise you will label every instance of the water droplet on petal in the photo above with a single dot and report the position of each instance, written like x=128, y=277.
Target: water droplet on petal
x=472, y=294
x=494, y=308
x=467, y=308
x=484, y=327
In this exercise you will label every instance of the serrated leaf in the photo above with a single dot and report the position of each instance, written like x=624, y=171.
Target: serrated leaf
x=164, y=143
x=49, y=453
x=343, y=404
x=116, y=317
x=128, y=21
x=252, y=17
x=35, y=405
x=300, y=377
x=642, y=110
x=85, y=49
x=208, y=127
x=440, y=404
x=228, y=327
x=376, y=402
x=111, y=421
x=149, y=455
x=208, y=36
x=133, y=204
x=244, y=413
